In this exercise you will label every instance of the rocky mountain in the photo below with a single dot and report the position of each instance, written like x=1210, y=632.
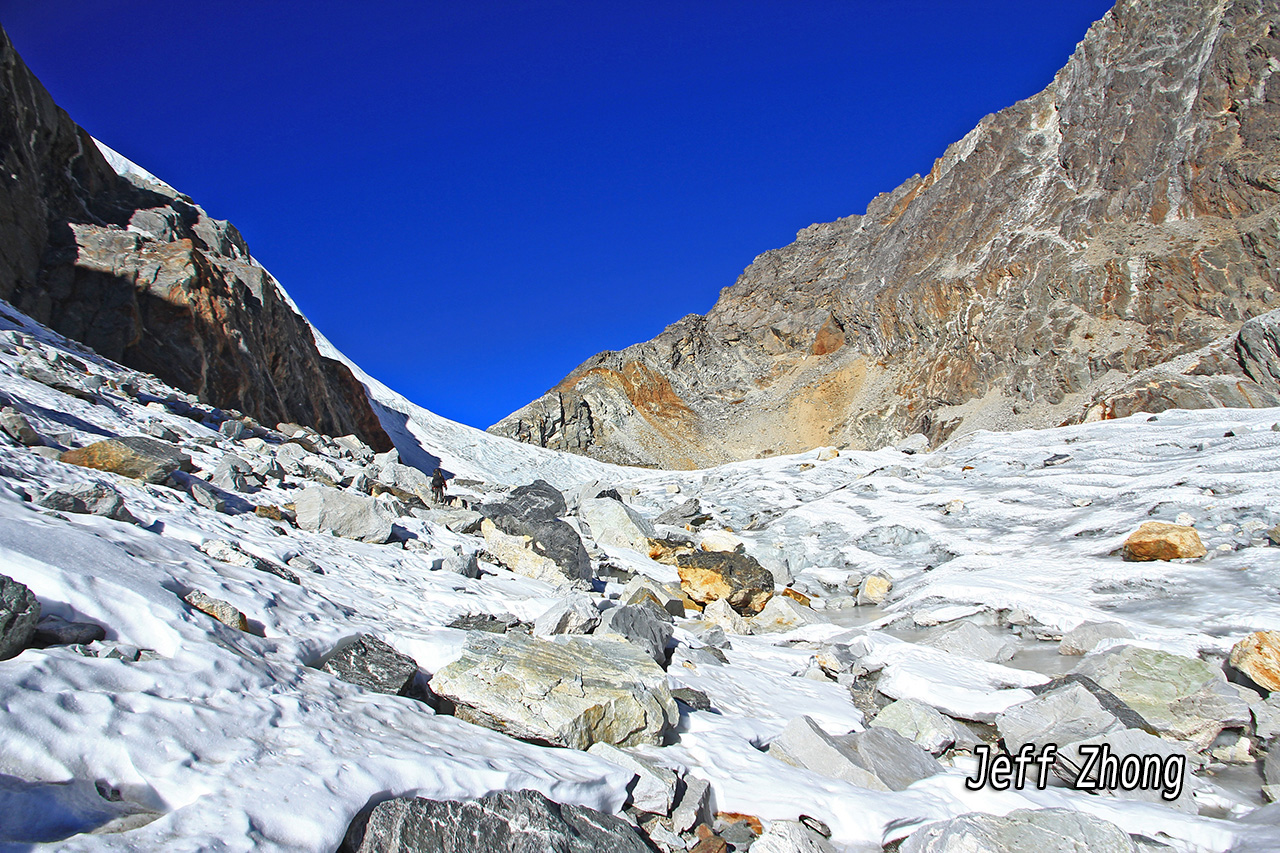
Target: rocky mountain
x=1089, y=252
x=101, y=251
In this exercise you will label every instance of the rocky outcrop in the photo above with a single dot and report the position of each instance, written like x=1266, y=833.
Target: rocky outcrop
x=1089, y=252
x=19, y=613
x=137, y=271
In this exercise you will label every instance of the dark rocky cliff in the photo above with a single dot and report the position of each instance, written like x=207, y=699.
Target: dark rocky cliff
x=142, y=275
x=1091, y=251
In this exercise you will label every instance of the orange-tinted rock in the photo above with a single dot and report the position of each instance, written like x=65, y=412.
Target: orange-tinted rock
x=141, y=458
x=798, y=596
x=1158, y=540
x=707, y=576
x=1258, y=656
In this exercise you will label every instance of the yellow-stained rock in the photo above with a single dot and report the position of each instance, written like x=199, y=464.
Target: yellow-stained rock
x=798, y=596
x=666, y=550
x=1258, y=656
x=1159, y=540
x=736, y=578
x=874, y=589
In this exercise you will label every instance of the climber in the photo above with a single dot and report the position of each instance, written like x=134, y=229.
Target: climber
x=437, y=486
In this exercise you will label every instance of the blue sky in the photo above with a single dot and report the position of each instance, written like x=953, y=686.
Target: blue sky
x=471, y=199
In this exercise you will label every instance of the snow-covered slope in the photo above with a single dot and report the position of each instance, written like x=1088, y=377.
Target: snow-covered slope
x=216, y=738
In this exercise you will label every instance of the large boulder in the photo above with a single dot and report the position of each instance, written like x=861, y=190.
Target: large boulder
x=139, y=457
x=894, y=760
x=924, y=726
x=967, y=640
x=1069, y=713
x=1127, y=742
x=538, y=501
x=575, y=614
x=783, y=613
x=1021, y=831
x=402, y=481
x=345, y=514
x=1258, y=348
x=803, y=744
x=373, y=665
x=87, y=499
x=617, y=525
x=645, y=624
x=501, y=822
x=1159, y=540
x=569, y=691
x=707, y=576
x=1184, y=698
x=1082, y=639
x=688, y=513
x=1258, y=657
x=549, y=551
x=19, y=613
x=654, y=788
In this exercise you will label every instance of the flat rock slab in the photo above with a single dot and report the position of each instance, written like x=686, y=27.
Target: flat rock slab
x=345, y=514
x=1158, y=540
x=804, y=744
x=19, y=613
x=372, y=664
x=87, y=499
x=707, y=576
x=969, y=641
x=894, y=760
x=1185, y=698
x=617, y=525
x=569, y=691
x=139, y=457
x=502, y=822
x=1021, y=831
x=1065, y=715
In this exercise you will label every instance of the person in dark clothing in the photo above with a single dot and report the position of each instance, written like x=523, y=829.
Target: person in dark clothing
x=437, y=486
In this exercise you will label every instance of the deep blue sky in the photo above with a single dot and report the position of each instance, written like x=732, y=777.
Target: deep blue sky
x=470, y=199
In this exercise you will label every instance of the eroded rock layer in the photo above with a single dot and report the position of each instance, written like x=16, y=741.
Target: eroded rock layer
x=1085, y=253
x=137, y=271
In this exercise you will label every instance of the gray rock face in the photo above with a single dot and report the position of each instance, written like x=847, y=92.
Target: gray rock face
x=924, y=726
x=646, y=625
x=1258, y=348
x=790, y=836
x=571, y=691
x=1068, y=714
x=1073, y=214
x=1021, y=831
x=89, y=499
x=1081, y=639
x=654, y=788
x=19, y=613
x=55, y=631
x=894, y=760
x=147, y=279
x=616, y=524
x=539, y=501
x=969, y=641
x=19, y=428
x=1131, y=742
x=373, y=665
x=233, y=473
x=502, y=822
x=553, y=542
x=344, y=514
x=689, y=512
x=576, y=614
x=803, y=744
x=1182, y=697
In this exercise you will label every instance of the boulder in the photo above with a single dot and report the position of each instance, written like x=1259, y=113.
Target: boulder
x=88, y=499
x=19, y=614
x=501, y=822
x=668, y=550
x=352, y=447
x=645, y=624
x=654, y=788
x=1184, y=698
x=926, y=727
x=351, y=516
x=139, y=457
x=233, y=473
x=896, y=761
x=372, y=664
x=537, y=502
x=616, y=525
x=721, y=540
x=1021, y=831
x=19, y=428
x=1158, y=540
x=1266, y=717
x=55, y=631
x=694, y=806
x=1125, y=742
x=721, y=615
x=576, y=614
x=569, y=691
x=803, y=744
x=228, y=553
x=1257, y=347
x=221, y=610
x=783, y=613
x=402, y=481
x=1258, y=657
x=790, y=836
x=874, y=589
x=826, y=454
x=709, y=576
x=641, y=588
x=967, y=640
x=1069, y=713
x=201, y=492
x=465, y=521
x=231, y=429
x=548, y=551
x=1082, y=639
x=688, y=513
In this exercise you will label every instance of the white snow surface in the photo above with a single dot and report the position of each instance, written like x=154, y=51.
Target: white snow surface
x=223, y=740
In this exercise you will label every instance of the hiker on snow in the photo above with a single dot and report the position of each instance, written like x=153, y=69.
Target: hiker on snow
x=437, y=486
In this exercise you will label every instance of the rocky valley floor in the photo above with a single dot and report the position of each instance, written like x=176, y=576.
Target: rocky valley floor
x=248, y=635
